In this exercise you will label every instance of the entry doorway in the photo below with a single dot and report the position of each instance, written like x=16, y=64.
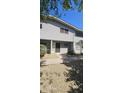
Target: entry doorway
x=57, y=48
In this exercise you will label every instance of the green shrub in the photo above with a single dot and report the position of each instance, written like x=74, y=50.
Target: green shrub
x=81, y=53
x=43, y=50
x=71, y=52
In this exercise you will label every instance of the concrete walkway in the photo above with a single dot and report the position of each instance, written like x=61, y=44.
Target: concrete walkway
x=58, y=59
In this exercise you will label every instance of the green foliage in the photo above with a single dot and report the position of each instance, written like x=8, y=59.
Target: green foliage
x=43, y=50
x=66, y=4
x=44, y=7
x=48, y=6
x=71, y=52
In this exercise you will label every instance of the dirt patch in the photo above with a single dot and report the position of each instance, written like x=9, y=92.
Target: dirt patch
x=59, y=78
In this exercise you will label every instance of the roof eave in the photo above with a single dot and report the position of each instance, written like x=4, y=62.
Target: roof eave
x=63, y=22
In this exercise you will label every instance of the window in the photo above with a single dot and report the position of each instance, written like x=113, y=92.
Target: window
x=66, y=44
x=79, y=33
x=63, y=30
x=66, y=31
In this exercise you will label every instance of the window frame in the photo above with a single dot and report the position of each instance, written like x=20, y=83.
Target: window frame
x=64, y=30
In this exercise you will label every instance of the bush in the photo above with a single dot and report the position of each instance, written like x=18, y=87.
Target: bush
x=81, y=53
x=43, y=50
x=71, y=52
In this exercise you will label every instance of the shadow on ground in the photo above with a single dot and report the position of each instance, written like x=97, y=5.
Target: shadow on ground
x=75, y=73
x=41, y=65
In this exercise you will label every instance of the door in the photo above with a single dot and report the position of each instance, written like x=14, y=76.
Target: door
x=57, y=47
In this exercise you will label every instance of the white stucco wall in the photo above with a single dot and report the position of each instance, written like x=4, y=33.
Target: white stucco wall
x=63, y=49
x=77, y=47
x=51, y=31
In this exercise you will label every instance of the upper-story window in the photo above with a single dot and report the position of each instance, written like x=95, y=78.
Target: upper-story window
x=64, y=30
x=79, y=33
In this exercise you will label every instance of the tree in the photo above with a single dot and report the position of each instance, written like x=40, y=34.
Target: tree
x=48, y=6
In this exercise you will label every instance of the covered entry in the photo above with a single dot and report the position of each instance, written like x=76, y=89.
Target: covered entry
x=57, y=48
x=61, y=47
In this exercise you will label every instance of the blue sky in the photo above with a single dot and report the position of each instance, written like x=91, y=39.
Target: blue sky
x=73, y=17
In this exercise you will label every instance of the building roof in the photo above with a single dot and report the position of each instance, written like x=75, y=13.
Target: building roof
x=63, y=22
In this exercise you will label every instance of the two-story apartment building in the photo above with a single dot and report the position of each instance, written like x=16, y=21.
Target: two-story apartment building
x=60, y=36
